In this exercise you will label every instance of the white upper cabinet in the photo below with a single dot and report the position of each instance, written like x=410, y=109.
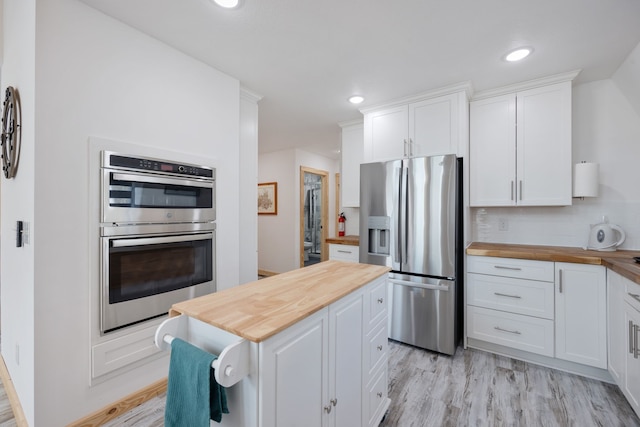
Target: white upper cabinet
x=426, y=125
x=520, y=147
x=351, y=157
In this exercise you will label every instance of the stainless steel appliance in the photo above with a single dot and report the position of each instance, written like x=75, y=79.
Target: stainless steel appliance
x=157, y=237
x=411, y=221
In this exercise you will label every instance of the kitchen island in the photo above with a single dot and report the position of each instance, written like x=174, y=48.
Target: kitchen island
x=310, y=345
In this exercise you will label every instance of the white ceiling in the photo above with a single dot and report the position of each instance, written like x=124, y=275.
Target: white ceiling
x=306, y=57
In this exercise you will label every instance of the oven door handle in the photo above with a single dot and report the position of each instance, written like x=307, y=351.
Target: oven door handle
x=123, y=243
x=154, y=179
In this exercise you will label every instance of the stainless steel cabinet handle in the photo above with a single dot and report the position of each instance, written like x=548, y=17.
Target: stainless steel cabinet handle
x=560, y=281
x=327, y=409
x=380, y=300
x=379, y=348
x=636, y=352
x=511, y=190
x=344, y=252
x=410, y=147
x=634, y=296
x=520, y=193
x=631, y=336
x=334, y=402
x=379, y=394
x=405, y=148
x=502, y=267
x=507, y=295
x=498, y=328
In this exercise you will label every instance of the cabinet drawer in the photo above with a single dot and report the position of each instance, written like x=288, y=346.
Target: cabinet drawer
x=376, y=398
x=511, y=267
x=632, y=293
x=518, y=296
x=376, y=296
x=344, y=253
x=512, y=330
x=376, y=349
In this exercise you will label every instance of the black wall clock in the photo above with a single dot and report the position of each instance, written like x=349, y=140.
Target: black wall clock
x=10, y=132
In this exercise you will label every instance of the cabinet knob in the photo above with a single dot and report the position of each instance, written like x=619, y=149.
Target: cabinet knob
x=334, y=402
x=379, y=348
x=327, y=409
x=380, y=300
x=380, y=394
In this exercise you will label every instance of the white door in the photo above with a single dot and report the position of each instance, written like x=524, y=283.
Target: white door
x=581, y=314
x=632, y=366
x=544, y=146
x=492, y=151
x=434, y=126
x=345, y=361
x=385, y=134
x=294, y=376
x=617, y=338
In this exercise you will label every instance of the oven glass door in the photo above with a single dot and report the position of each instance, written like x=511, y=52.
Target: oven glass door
x=145, y=197
x=144, y=276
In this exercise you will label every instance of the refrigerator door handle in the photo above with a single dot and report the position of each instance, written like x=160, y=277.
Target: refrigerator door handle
x=404, y=199
x=420, y=285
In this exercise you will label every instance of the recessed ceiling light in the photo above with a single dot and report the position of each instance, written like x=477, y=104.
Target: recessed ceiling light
x=229, y=4
x=356, y=99
x=518, y=54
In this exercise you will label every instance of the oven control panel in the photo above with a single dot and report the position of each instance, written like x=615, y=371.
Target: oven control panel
x=155, y=165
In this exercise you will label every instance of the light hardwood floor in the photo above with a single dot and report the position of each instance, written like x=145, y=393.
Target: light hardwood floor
x=472, y=388
x=6, y=414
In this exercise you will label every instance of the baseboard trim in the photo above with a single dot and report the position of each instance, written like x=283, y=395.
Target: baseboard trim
x=16, y=407
x=123, y=405
x=267, y=273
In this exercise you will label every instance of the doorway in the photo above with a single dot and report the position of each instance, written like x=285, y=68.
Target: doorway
x=314, y=212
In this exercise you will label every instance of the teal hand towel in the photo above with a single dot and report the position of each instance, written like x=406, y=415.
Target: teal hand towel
x=193, y=395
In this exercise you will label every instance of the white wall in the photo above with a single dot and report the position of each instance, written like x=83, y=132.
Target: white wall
x=627, y=78
x=279, y=235
x=93, y=76
x=606, y=130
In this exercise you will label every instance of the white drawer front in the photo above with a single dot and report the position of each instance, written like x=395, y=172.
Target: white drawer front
x=376, y=350
x=344, y=253
x=376, y=397
x=513, y=295
x=512, y=330
x=511, y=267
x=377, y=302
x=632, y=293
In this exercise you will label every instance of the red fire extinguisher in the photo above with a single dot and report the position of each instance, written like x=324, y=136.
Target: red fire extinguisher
x=341, y=220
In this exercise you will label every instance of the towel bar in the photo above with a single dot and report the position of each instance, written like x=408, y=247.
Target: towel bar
x=232, y=363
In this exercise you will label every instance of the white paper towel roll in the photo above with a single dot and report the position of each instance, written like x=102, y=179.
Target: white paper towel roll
x=585, y=180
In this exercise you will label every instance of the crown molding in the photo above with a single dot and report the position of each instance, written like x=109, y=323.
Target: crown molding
x=465, y=87
x=529, y=84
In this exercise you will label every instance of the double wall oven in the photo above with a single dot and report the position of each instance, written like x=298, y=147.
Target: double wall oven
x=157, y=237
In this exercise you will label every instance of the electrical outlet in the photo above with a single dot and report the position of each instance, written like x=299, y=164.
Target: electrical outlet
x=503, y=224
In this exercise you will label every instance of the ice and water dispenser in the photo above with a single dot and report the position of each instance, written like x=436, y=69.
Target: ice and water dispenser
x=379, y=231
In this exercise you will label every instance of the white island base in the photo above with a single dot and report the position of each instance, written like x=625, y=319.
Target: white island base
x=329, y=368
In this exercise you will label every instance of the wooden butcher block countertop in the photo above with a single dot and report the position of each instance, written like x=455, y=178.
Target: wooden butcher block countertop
x=345, y=240
x=257, y=310
x=619, y=261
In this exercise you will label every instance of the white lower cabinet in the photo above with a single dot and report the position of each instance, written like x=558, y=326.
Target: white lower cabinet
x=624, y=335
x=581, y=313
x=348, y=253
x=313, y=372
x=557, y=310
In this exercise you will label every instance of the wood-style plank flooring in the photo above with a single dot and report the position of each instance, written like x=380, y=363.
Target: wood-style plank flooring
x=473, y=388
x=6, y=414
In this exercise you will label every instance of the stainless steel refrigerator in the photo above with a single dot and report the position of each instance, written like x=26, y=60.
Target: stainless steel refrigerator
x=411, y=221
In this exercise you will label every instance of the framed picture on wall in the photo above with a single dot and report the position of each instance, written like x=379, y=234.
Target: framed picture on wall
x=268, y=198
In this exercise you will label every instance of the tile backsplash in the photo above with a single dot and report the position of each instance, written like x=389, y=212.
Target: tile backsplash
x=554, y=226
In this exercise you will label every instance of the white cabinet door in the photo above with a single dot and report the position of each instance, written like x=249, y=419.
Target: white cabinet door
x=616, y=327
x=294, y=378
x=520, y=148
x=631, y=386
x=492, y=151
x=345, y=361
x=581, y=314
x=544, y=146
x=351, y=155
x=385, y=134
x=434, y=126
